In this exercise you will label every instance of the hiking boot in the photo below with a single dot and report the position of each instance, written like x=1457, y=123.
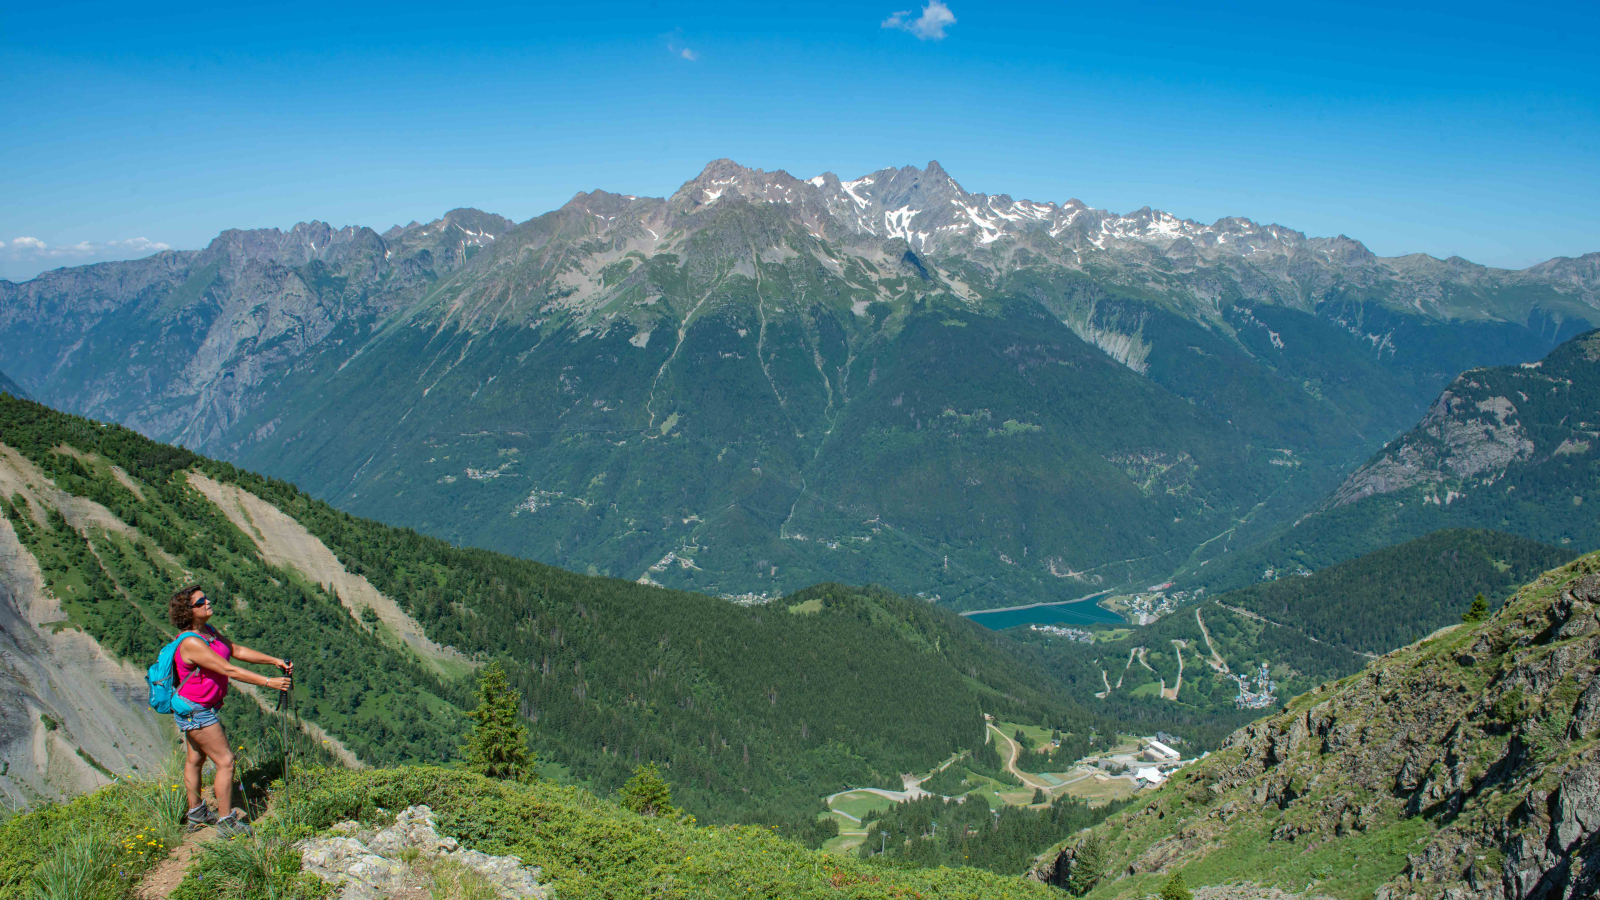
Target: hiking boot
x=200, y=817
x=230, y=826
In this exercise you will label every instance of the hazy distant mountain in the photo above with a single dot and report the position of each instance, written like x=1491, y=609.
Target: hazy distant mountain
x=7, y=386
x=761, y=382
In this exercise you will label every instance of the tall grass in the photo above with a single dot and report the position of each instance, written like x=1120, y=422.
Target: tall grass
x=94, y=847
x=82, y=868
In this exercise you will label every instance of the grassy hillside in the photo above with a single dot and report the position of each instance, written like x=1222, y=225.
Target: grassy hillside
x=1461, y=766
x=586, y=847
x=756, y=711
x=1306, y=629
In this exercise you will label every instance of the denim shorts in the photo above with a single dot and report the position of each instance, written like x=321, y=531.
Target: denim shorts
x=200, y=718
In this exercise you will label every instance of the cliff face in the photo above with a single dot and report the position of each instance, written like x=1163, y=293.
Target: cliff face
x=70, y=713
x=1466, y=765
x=1488, y=422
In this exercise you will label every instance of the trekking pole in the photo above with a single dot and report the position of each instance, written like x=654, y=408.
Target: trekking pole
x=285, y=704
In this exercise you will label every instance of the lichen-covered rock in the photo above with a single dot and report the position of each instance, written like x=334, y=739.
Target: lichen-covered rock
x=400, y=861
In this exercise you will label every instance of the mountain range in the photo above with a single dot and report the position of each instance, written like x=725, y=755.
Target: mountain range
x=763, y=382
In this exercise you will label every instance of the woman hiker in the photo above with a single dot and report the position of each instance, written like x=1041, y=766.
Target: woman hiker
x=208, y=662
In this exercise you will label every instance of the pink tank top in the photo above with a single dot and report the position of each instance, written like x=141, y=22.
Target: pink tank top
x=205, y=688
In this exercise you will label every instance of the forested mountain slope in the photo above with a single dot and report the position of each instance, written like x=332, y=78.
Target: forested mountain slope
x=1462, y=766
x=762, y=382
x=1513, y=448
x=757, y=711
x=1305, y=630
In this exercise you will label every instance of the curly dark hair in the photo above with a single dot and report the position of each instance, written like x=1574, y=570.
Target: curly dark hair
x=180, y=609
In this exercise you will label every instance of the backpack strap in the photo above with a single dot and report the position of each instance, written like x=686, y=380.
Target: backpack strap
x=193, y=671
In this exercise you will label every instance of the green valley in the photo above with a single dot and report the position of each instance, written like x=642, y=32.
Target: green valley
x=1214, y=665
x=757, y=711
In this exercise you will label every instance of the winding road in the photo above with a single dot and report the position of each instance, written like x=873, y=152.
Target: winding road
x=1026, y=778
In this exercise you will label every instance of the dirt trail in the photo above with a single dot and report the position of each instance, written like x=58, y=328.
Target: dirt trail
x=1026, y=778
x=164, y=877
x=1217, y=662
x=284, y=542
x=1172, y=693
x=161, y=879
x=1131, y=654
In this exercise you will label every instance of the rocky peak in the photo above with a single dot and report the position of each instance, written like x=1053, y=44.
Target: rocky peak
x=305, y=242
x=1580, y=274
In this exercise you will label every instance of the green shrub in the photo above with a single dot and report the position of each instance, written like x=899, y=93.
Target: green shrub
x=592, y=848
x=1175, y=889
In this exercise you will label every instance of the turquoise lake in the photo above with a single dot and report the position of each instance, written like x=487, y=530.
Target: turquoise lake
x=1071, y=612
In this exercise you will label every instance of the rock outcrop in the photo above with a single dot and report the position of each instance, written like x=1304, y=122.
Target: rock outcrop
x=408, y=860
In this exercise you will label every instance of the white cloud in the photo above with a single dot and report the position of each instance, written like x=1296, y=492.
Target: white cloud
x=929, y=26
x=676, y=48
x=33, y=248
x=139, y=245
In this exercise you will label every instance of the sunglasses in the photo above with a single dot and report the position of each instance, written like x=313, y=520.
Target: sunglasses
x=200, y=601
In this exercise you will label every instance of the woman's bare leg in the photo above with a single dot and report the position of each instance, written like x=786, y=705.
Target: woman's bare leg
x=194, y=761
x=214, y=744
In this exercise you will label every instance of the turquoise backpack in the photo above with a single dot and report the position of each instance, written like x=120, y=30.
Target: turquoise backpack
x=163, y=695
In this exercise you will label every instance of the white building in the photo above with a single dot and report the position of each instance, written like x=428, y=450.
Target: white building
x=1165, y=751
x=1150, y=775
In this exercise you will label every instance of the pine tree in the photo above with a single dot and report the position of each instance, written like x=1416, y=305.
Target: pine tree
x=497, y=746
x=1088, y=865
x=648, y=794
x=1039, y=797
x=1175, y=889
x=1478, y=612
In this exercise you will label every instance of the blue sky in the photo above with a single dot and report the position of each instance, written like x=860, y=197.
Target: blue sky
x=1448, y=129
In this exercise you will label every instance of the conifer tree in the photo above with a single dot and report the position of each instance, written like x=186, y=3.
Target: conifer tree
x=1479, y=610
x=1088, y=864
x=497, y=746
x=1175, y=889
x=648, y=794
x=1039, y=797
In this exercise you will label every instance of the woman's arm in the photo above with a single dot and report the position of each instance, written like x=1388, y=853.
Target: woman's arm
x=245, y=654
x=196, y=653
